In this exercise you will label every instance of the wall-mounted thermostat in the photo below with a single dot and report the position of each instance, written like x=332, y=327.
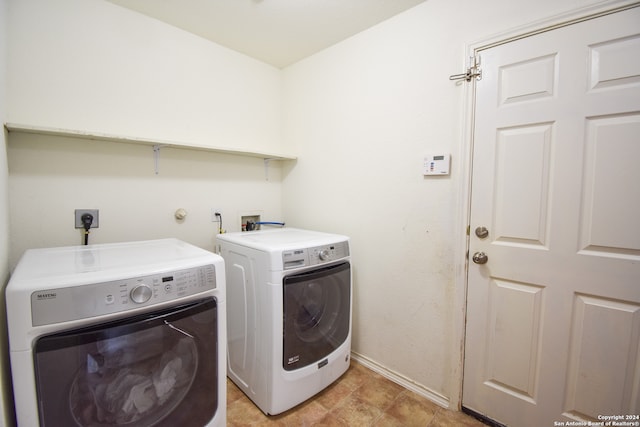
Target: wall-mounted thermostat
x=436, y=165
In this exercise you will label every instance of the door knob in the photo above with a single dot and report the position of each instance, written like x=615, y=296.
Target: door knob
x=482, y=232
x=480, y=258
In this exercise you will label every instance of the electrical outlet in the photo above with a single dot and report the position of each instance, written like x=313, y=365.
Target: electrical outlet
x=80, y=212
x=215, y=218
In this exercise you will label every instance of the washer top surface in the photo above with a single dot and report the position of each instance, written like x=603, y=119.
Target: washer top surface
x=94, y=263
x=281, y=239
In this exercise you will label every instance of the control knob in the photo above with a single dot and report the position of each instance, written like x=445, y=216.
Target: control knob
x=324, y=255
x=141, y=293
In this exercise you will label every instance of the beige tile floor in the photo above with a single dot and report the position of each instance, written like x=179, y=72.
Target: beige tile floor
x=360, y=398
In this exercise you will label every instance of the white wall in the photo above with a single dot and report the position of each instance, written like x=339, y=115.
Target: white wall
x=89, y=65
x=49, y=177
x=361, y=115
x=6, y=401
x=93, y=66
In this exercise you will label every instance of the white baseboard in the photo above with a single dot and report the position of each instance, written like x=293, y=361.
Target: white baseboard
x=399, y=379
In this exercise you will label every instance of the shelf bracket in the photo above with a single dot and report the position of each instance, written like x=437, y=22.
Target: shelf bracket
x=266, y=169
x=156, y=158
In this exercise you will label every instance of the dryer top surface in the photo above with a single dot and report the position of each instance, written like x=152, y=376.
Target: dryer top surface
x=281, y=239
x=102, y=262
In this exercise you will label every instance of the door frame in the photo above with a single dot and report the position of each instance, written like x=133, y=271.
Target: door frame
x=465, y=154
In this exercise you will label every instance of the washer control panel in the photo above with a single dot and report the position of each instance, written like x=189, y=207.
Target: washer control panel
x=84, y=301
x=297, y=258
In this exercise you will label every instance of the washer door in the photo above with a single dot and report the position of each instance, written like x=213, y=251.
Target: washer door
x=317, y=314
x=153, y=369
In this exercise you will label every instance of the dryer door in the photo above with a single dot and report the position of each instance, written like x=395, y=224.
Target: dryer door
x=317, y=314
x=153, y=369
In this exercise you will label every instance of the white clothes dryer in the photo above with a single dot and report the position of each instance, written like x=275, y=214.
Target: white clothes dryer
x=289, y=313
x=118, y=334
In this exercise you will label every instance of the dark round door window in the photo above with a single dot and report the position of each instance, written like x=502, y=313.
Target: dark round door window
x=318, y=309
x=317, y=314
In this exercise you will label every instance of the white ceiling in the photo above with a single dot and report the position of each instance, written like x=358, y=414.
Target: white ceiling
x=278, y=32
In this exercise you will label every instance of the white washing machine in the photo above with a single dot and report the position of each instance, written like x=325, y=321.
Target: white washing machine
x=118, y=334
x=289, y=313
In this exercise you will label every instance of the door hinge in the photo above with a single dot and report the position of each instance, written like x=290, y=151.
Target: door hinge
x=473, y=70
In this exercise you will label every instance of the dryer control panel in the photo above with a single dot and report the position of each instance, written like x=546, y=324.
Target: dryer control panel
x=90, y=300
x=297, y=258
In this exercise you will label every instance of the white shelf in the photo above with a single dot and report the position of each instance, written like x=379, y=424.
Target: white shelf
x=40, y=130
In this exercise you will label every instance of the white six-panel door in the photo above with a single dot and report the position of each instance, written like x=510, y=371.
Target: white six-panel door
x=553, y=316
